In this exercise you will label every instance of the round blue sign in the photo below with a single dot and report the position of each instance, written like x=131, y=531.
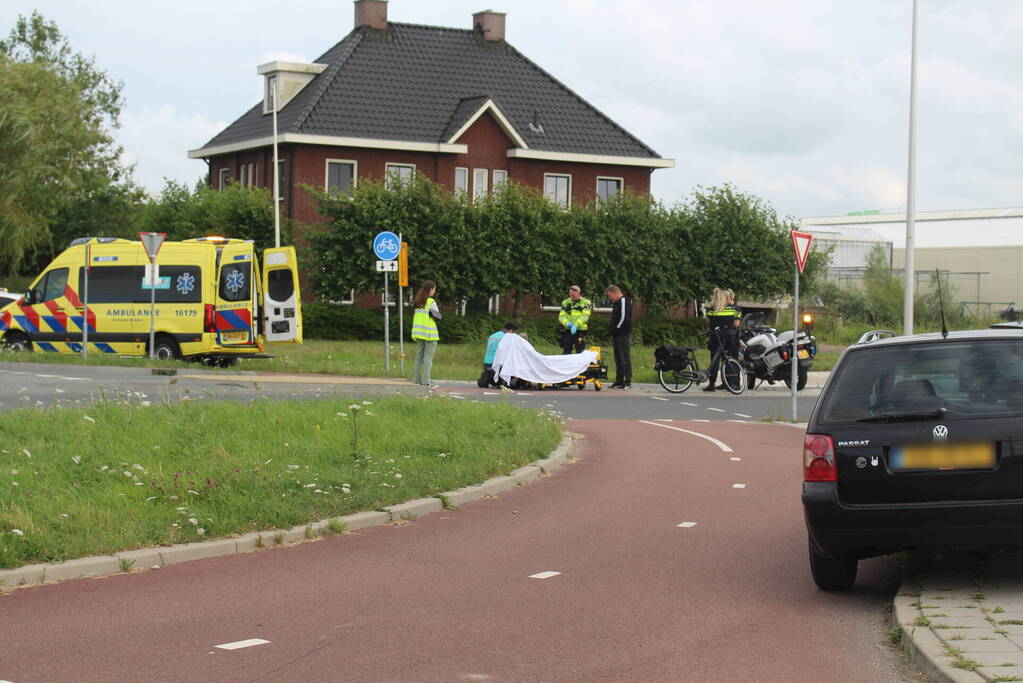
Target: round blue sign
x=386, y=245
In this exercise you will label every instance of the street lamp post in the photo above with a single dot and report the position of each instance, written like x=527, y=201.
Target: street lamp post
x=907, y=306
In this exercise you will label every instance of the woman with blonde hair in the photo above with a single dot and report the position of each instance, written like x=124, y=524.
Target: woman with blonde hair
x=722, y=321
x=424, y=332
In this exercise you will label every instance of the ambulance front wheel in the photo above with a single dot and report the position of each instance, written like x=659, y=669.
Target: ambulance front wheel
x=166, y=348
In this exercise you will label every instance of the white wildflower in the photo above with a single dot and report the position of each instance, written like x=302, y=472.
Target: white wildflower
x=64, y=515
x=139, y=483
x=14, y=472
x=317, y=491
x=194, y=493
x=127, y=474
x=173, y=498
x=136, y=466
x=369, y=413
x=14, y=483
x=345, y=489
x=397, y=475
x=86, y=417
x=201, y=531
x=176, y=525
x=193, y=521
x=367, y=403
x=145, y=404
x=17, y=532
x=104, y=468
x=76, y=459
x=182, y=510
x=25, y=452
x=150, y=498
x=292, y=467
x=355, y=407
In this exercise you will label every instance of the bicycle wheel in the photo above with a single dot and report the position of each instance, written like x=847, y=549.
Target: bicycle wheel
x=677, y=381
x=734, y=376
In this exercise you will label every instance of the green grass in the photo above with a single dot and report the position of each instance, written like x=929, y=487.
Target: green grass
x=114, y=476
x=366, y=359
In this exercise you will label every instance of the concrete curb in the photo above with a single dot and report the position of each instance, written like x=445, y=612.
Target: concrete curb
x=154, y=558
x=920, y=643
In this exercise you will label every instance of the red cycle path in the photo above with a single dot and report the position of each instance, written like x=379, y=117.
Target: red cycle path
x=448, y=597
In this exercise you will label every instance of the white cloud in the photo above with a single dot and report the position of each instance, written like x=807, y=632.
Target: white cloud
x=157, y=142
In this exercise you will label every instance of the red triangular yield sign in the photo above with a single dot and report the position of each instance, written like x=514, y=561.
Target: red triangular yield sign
x=151, y=241
x=801, y=245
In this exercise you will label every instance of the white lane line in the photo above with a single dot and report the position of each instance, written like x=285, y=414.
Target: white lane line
x=734, y=459
x=522, y=393
x=738, y=486
x=659, y=398
x=741, y=422
x=720, y=444
x=741, y=415
x=491, y=393
x=663, y=419
x=716, y=410
x=691, y=405
x=75, y=379
x=686, y=525
x=237, y=645
x=46, y=376
x=544, y=575
x=700, y=420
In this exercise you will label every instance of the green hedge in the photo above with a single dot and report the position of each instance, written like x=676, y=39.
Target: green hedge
x=350, y=323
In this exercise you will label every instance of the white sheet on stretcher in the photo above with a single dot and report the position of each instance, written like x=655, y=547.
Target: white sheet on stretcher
x=516, y=357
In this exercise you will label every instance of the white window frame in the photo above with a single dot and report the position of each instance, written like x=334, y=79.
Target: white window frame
x=554, y=199
x=494, y=304
x=480, y=189
x=272, y=91
x=326, y=172
x=465, y=189
x=223, y=177
x=596, y=186
x=389, y=166
x=504, y=178
x=280, y=180
x=243, y=170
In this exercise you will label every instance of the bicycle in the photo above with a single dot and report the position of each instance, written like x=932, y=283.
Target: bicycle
x=677, y=368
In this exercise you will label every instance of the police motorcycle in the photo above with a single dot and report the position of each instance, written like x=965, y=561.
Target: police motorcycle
x=766, y=353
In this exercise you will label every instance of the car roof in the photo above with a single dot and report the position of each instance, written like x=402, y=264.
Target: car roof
x=936, y=337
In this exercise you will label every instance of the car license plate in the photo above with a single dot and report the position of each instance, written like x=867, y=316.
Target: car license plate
x=234, y=337
x=803, y=353
x=945, y=456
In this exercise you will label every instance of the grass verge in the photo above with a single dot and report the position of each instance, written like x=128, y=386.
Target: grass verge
x=113, y=476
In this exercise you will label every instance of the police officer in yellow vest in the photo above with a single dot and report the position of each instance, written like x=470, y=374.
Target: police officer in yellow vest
x=424, y=332
x=574, y=319
x=723, y=321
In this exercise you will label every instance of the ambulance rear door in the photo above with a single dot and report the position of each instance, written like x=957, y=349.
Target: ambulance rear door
x=233, y=315
x=282, y=306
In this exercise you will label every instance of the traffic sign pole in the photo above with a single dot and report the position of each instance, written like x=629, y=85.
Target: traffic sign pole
x=387, y=325
x=387, y=247
x=152, y=241
x=801, y=246
x=402, y=283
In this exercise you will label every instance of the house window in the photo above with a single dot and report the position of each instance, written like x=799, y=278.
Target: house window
x=461, y=180
x=223, y=176
x=271, y=94
x=558, y=189
x=480, y=176
x=399, y=175
x=608, y=188
x=280, y=180
x=340, y=175
x=500, y=178
x=248, y=175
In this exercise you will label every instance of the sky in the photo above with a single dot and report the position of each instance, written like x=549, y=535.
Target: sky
x=804, y=103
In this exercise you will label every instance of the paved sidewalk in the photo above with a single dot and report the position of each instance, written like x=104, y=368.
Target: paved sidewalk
x=962, y=616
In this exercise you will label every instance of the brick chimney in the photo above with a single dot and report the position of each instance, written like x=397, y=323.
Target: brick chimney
x=371, y=13
x=490, y=23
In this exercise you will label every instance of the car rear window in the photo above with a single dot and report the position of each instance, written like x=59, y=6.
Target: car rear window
x=975, y=378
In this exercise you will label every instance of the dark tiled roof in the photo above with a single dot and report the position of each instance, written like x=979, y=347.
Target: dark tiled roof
x=422, y=83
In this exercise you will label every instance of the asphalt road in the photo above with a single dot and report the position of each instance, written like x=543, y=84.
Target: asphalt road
x=644, y=560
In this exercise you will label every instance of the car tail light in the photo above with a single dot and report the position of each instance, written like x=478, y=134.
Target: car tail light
x=819, y=458
x=208, y=322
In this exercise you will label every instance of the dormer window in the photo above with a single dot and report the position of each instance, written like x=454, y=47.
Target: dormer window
x=271, y=93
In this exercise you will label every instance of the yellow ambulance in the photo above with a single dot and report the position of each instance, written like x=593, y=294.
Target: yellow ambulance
x=214, y=301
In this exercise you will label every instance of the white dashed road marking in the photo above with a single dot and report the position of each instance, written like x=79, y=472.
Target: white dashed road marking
x=701, y=420
x=544, y=575
x=716, y=410
x=720, y=444
x=237, y=645
x=691, y=405
x=686, y=525
x=491, y=393
x=741, y=415
x=47, y=376
x=741, y=422
x=663, y=419
x=735, y=459
x=522, y=393
x=738, y=486
x=659, y=398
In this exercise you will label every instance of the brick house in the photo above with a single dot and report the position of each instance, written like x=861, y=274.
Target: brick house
x=461, y=106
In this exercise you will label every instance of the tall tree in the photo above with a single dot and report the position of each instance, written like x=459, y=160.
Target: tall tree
x=62, y=174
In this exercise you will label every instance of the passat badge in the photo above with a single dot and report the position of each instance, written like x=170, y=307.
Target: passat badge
x=940, y=432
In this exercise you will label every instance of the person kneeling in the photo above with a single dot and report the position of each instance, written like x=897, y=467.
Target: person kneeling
x=487, y=378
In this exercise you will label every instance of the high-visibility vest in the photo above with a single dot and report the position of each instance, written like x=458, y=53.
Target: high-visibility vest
x=577, y=312
x=423, y=325
x=723, y=318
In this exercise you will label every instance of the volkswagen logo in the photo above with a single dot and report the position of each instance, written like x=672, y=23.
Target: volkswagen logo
x=940, y=432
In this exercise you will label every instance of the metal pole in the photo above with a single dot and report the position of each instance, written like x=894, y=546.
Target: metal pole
x=794, y=354
x=152, y=310
x=387, y=325
x=85, y=304
x=277, y=180
x=907, y=306
x=401, y=315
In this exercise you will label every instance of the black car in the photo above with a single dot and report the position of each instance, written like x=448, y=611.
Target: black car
x=915, y=442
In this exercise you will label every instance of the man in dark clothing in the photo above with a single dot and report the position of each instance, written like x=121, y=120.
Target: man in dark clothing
x=621, y=336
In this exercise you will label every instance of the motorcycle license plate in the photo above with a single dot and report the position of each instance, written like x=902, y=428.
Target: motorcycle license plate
x=946, y=456
x=803, y=353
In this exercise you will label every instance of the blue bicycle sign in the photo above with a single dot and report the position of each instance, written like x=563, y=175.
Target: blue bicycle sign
x=386, y=245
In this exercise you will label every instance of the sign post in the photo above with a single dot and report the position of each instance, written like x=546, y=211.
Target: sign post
x=387, y=246
x=801, y=245
x=402, y=283
x=85, y=302
x=152, y=242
